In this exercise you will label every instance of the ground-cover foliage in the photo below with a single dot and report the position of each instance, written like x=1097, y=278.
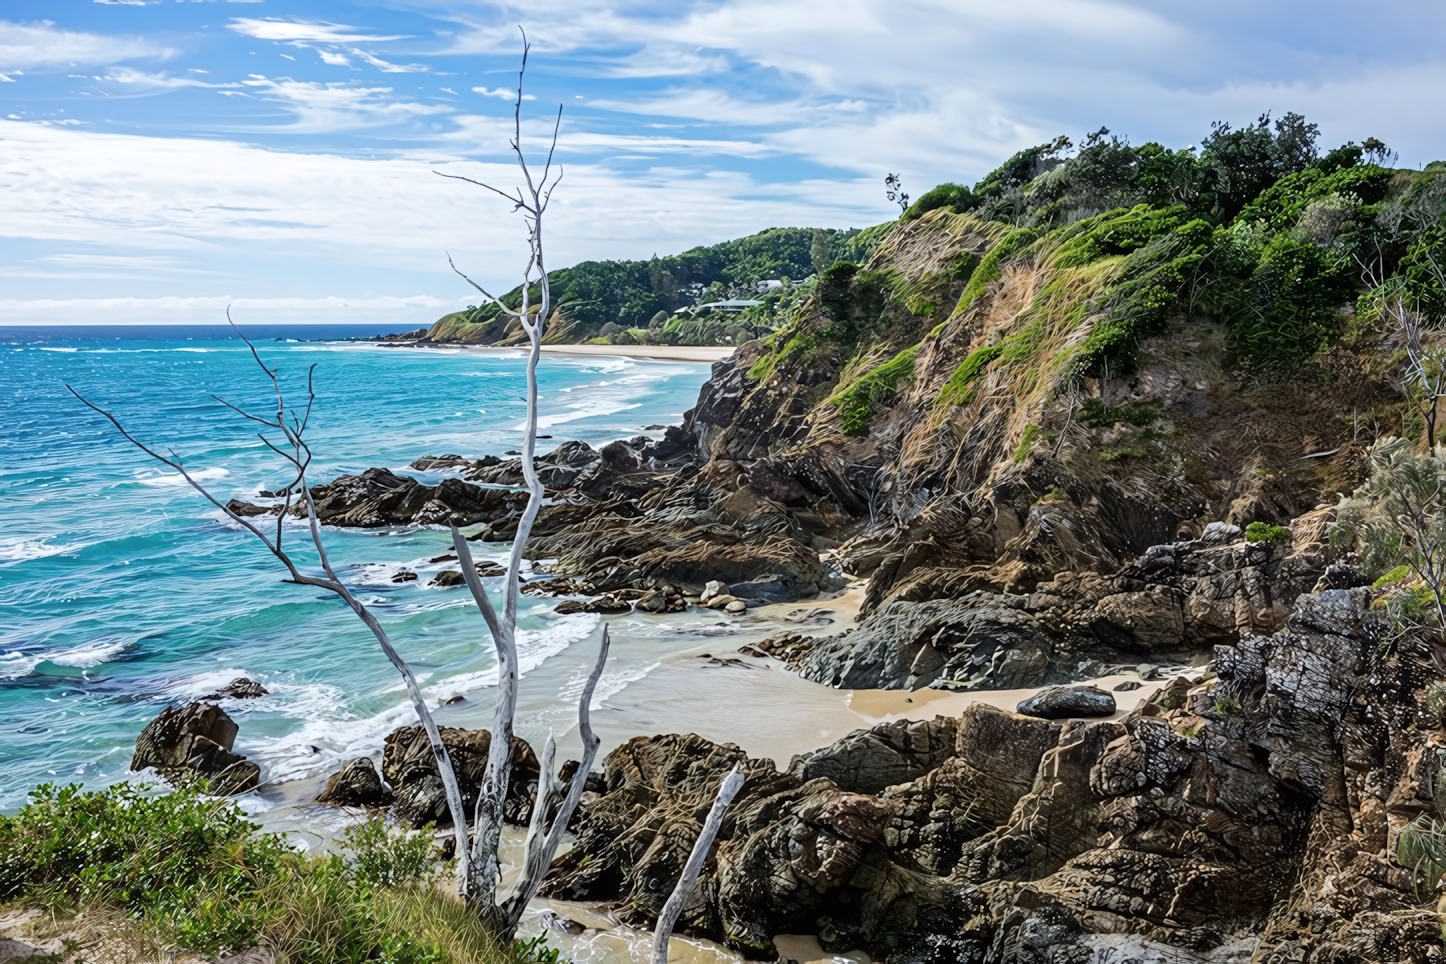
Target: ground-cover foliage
x=193, y=872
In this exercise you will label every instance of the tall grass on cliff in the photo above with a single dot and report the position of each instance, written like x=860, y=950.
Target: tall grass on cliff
x=184, y=871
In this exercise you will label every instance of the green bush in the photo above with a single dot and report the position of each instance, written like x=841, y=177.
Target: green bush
x=1116, y=232
x=1265, y=532
x=858, y=401
x=1393, y=577
x=199, y=874
x=947, y=195
x=381, y=856
x=992, y=266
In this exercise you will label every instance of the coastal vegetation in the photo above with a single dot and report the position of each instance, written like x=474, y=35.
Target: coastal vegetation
x=1112, y=411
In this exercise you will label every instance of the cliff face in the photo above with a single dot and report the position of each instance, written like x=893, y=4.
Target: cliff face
x=944, y=398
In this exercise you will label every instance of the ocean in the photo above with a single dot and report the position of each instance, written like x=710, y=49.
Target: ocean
x=122, y=590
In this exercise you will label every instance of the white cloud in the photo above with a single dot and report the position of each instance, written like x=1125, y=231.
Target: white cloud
x=272, y=28
x=387, y=67
x=501, y=93
x=338, y=106
x=156, y=83
x=349, y=224
x=38, y=45
x=334, y=58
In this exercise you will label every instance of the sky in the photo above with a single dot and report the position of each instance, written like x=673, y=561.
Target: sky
x=160, y=159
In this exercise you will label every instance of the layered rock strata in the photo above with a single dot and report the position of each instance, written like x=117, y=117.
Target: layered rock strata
x=1253, y=813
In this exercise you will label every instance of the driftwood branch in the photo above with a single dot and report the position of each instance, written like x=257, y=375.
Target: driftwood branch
x=668, y=919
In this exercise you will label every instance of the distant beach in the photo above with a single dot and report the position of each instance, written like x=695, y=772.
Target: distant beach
x=691, y=353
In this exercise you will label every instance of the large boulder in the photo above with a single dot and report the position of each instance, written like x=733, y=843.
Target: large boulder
x=410, y=767
x=867, y=761
x=380, y=497
x=191, y=743
x=356, y=784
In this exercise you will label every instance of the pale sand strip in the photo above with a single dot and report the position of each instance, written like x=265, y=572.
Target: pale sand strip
x=691, y=353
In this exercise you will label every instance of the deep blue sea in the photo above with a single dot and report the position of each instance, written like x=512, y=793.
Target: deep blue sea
x=122, y=590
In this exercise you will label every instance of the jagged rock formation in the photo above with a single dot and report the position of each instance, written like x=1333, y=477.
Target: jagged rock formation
x=410, y=770
x=192, y=743
x=1251, y=814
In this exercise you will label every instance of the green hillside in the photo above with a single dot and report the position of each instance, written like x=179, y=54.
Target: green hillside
x=627, y=302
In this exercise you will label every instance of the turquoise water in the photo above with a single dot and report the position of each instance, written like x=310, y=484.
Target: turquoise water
x=121, y=590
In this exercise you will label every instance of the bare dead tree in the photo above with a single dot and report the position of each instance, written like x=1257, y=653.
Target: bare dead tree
x=295, y=451
x=668, y=919
x=531, y=199
x=1425, y=366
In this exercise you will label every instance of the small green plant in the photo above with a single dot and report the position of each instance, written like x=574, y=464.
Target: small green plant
x=1265, y=532
x=1421, y=849
x=1026, y=442
x=958, y=389
x=1399, y=518
x=859, y=400
x=382, y=856
x=1393, y=577
x=1094, y=413
x=1227, y=706
x=535, y=951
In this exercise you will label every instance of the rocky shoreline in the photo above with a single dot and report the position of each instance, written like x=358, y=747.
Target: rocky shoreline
x=1268, y=805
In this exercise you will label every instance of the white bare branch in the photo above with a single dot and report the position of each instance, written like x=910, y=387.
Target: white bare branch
x=668, y=919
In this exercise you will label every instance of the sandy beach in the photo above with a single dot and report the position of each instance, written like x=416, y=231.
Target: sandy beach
x=657, y=352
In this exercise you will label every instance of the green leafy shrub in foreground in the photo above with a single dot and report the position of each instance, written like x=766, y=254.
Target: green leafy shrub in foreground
x=196, y=872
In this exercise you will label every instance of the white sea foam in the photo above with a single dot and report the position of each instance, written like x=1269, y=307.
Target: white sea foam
x=14, y=665
x=591, y=409
x=66, y=350
x=20, y=549
x=200, y=351
x=175, y=478
x=329, y=732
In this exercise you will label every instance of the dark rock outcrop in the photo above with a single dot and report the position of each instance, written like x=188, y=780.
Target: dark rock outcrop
x=1068, y=702
x=380, y=497
x=1175, y=600
x=193, y=742
x=356, y=784
x=1255, y=813
x=868, y=761
x=411, y=770
x=239, y=688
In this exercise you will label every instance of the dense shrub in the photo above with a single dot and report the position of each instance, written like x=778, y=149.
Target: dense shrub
x=196, y=872
x=956, y=197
